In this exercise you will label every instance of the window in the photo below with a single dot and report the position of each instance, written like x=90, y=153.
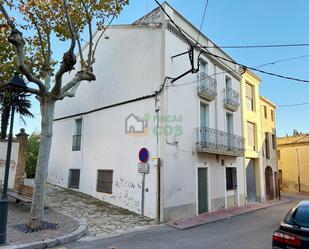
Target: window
x=278, y=154
x=265, y=111
x=272, y=115
x=74, y=175
x=251, y=136
x=105, y=181
x=228, y=82
x=204, y=115
x=203, y=67
x=231, y=178
x=298, y=216
x=77, y=135
x=249, y=97
x=274, y=141
x=267, y=145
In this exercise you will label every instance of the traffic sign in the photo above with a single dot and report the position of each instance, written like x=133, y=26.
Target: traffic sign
x=143, y=155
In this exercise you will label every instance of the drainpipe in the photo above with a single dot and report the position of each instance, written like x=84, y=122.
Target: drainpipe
x=298, y=171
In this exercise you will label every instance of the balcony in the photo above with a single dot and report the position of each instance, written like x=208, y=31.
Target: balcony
x=231, y=100
x=207, y=87
x=219, y=142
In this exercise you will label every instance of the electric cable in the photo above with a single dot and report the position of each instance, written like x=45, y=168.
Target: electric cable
x=202, y=22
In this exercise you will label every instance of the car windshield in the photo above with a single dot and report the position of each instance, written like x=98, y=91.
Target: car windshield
x=299, y=216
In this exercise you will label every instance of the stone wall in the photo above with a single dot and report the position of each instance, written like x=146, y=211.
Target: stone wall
x=18, y=159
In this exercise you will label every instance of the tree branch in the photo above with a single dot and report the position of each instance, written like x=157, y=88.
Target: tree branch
x=16, y=38
x=74, y=83
x=90, y=33
x=69, y=58
x=97, y=42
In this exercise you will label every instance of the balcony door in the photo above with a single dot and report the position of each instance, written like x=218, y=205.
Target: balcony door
x=203, y=67
x=229, y=130
x=204, y=124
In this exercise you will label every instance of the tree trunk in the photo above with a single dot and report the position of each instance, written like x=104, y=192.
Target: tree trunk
x=5, y=116
x=37, y=208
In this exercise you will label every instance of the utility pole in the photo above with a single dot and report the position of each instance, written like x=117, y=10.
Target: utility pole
x=298, y=171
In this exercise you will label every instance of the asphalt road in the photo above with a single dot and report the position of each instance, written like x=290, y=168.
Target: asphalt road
x=248, y=231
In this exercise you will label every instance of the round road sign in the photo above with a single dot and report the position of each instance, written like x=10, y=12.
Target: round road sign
x=143, y=155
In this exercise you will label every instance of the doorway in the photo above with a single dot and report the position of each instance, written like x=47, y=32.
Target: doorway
x=202, y=190
x=251, y=182
x=269, y=183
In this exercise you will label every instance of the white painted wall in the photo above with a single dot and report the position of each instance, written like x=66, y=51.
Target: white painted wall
x=13, y=164
x=123, y=73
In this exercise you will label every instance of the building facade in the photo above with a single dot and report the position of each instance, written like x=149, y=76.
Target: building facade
x=269, y=151
x=293, y=156
x=192, y=127
x=255, y=187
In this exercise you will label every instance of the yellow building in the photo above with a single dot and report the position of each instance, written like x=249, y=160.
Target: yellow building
x=293, y=153
x=260, y=142
x=269, y=151
x=253, y=137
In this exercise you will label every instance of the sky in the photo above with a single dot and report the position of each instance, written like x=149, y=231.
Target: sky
x=245, y=22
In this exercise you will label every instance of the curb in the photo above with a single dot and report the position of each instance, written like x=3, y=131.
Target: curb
x=70, y=237
x=230, y=215
x=113, y=235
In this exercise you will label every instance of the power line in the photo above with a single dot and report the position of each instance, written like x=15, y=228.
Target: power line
x=202, y=22
x=282, y=60
x=256, y=69
x=291, y=105
x=179, y=29
x=263, y=46
x=231, y=61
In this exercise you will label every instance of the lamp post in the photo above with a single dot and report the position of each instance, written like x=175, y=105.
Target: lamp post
x=13, y=90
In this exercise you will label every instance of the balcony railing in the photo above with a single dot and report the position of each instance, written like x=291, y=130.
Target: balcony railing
x=219, y=142
x=207, y=86
x=231, y=100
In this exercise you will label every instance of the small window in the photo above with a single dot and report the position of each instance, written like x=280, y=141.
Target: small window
x=267, y=152
x=203, y=67
x=231, y=178
x=74, y=176
x=105, y=181
x=272, y=115
x=77, y=137
x=278, y=154
x=228, y=82
x=249, y=97
x=274, y=141
x=265, y=111
x=251, y=136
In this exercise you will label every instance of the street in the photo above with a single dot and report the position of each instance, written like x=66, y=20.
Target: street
x=248, y=231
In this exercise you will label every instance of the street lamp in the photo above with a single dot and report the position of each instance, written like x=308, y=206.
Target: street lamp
x=12, y=91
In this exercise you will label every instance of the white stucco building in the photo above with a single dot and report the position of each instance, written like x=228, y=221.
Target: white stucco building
x=192, y=127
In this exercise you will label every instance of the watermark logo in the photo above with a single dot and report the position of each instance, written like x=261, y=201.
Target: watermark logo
x=136, y=125
x=168, y=125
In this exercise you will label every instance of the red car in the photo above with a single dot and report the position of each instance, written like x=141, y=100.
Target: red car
x=293, y=232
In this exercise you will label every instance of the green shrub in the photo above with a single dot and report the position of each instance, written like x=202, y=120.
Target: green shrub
x=33, y=151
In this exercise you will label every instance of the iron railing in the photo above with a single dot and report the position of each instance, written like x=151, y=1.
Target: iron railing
x=76, y=142
x=231, y=98
x=207, y=86
x=219, y=142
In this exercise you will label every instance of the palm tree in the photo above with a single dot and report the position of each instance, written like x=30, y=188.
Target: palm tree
x=23, y=105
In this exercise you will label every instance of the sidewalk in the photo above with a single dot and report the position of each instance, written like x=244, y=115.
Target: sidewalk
x=103, y=219
x=222, y=215
x=19, y=214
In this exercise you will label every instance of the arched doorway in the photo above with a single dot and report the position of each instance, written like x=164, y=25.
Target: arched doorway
x=269, y=183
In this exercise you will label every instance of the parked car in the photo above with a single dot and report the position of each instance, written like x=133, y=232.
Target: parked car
x=293, y=232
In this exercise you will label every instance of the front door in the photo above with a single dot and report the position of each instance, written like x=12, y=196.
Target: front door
x=202, y=190
x=251, y=185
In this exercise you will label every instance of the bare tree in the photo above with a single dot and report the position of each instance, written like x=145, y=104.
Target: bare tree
x=33, y=58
